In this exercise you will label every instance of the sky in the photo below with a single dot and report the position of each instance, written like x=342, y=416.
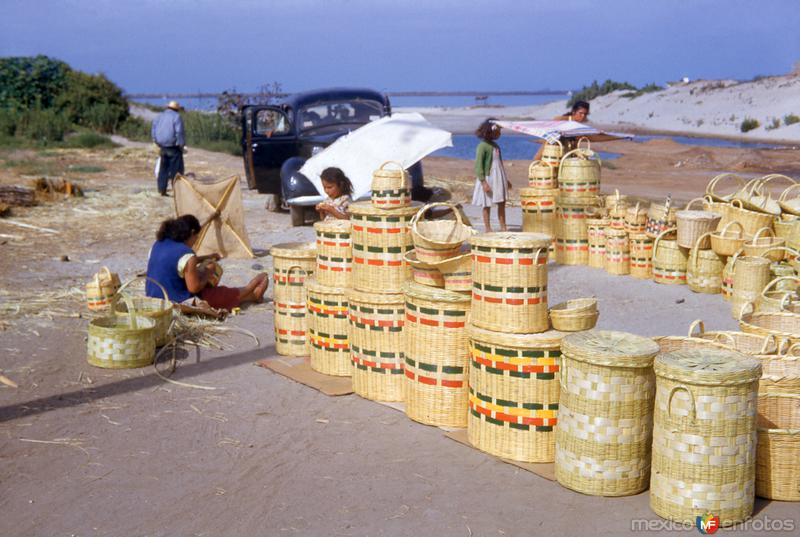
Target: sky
x=403, y=45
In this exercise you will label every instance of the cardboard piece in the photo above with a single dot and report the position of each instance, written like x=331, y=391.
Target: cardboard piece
x=546, y=470
x=299, y=370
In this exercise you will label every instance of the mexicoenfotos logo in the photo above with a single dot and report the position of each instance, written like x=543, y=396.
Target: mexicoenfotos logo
x=707, y=524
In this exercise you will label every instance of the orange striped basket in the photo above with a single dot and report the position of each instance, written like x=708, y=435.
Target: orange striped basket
x=572, y=232
x=334, y=253
x=641, y=248
x=100, y=292
x=618, y=256
x=391, y=188
x=436, y=391
x=381, y=237
x=377, y=344
x=327, y=329
x=538, y=209
x=551, y=155
x=513, y=393
x=542, y=175
x=293, y=263
x=596, y=230
x=669, y=260
x=509, y=275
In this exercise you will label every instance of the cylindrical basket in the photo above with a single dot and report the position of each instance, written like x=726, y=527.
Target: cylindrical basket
x=605, y=413
x=391, y=188
x=704, y=435
x=551, y=155
x=327, y=330
x=572, y=232
x=542, y=175
x=100, y=291
x=693, y=224
x=635, y=219
x=669, y=260
x=513, y=393
x=293, y=264
x=436, y=356
x=437, y=240
x=778, y=448
x=596, y=231
x=579, y=173
x=121, y=341
x=704, y=270
x=661, y=218
x=377, y=344
x=381, y=237
x=538, y=209
x=617, y=212
x=334, y=253
x=618, y=257
x=509, y=274
x=750, y=276
x=641, y=249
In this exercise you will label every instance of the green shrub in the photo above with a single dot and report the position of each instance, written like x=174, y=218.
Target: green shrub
x=29, y=82
x=92, y=101
x=749, y=124
x=211, y=131
x=88, y=140
x=135, y=128
x=773, y=124
x=41, y=126
x=587, y=93
x=8, y=121
x=791, y=119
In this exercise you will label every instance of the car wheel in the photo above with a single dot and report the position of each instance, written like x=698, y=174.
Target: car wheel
x=273, y=203
x=298, y=214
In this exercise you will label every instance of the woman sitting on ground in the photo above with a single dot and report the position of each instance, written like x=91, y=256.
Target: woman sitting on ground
x=184, y=275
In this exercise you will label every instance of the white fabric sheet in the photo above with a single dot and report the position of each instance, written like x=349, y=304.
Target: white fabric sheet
x=556, y=129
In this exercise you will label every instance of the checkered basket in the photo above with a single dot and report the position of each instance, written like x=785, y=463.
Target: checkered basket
x=121, y=342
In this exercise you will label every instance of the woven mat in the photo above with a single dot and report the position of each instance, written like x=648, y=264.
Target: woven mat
x=299, y=370
x=545, y=470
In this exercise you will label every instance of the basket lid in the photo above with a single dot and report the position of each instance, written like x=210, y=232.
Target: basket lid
x=437, y=294
x=530, y=192
x=503, y=239
x=366, y=208
x=332, y=226
x=315, y=287
x=370, y=297
x=607, y=347
x=708, y=367
x=295, y=250
x=550, y=339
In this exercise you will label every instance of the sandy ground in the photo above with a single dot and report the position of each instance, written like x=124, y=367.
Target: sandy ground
x=87, y=451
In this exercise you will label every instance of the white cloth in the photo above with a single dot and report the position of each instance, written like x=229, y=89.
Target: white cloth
x=555, y=129
x=497, y=182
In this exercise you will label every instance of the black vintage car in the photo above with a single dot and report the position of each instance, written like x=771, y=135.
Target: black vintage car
x=277, y=139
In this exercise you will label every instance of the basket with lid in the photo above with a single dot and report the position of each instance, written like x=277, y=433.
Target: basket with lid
x=704, y=435
x=334, y=253
x=329, y=345
x=513, y=393
x=704, y=269
x=391, y=186
x=436, y=356
x=437, y=240
x=538, y=210
x=542, y=175
x=579, y=173
x=596, y=232
x=509, y=274
x=605, y=413
x=641, y=250
x=293, y=264
x=669, y=260
x=693, y=224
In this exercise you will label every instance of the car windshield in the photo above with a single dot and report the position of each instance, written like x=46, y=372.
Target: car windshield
x=330, y=113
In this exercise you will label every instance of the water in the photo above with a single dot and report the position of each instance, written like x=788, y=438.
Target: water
x=708, y=142
x=513, y=147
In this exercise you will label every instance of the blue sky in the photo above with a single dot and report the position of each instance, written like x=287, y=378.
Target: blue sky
x=182, y=45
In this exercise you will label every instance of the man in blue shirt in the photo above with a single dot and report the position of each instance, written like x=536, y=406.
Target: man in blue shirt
x=167, y=134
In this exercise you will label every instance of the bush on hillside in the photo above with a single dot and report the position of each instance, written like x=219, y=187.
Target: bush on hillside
x=27, y=82
x=135, y=128
x=791, y=119
x=92, y=101
x=89, y=140
x=749, y=124
x=587, y=93
x=41, y=126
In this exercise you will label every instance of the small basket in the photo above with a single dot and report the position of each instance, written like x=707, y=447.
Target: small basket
x=704, y=270
x=641, y=248
x=437, y=240
x=776, y=300
x=617, y=212
x=457, y=272
x=101, y=290
x=424, y=273
x=768, y=246
x=566, y=322
x=618, y=257
x=542, y=175
x=750, y=275
x=660, y=218
x=121, y=342
x=635, y=219
x=551, y=155
x=712, y=190
x=391, y=189
x=596, y=231
x=727, y=241
x=693, y=224
x=751, y=221
x=157, y=309
x=669, y=260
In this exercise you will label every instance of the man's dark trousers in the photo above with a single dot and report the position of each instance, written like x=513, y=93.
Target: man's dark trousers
x=171, y=165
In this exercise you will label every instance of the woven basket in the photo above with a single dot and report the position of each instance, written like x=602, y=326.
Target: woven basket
x=781, y=270
x=457, y=272
x=712, y=189
x=767, y=245
x=704, y=439
x=327, y=329
x=424, y=273
x=727, y=276
x=579, y=173
x=751, y=221
x=661, y=218
x=704, y=269
x=761, y=198
x=551, y=155
x=617, y=212
x=575, y=315
x=693, y=224
x=727, y=241
x=739, y=341
x=542, y=175
x=718, y=207
x=641, y=250
x=538, y=210
x=391, y=188
x=783, y=228
x=436, y=357
x=575, y=306
x=157, y=309
x=293, y=264
x=669, y=260
x=437, y=240
x=509, y=274
x=779, y=324
x=618, y=257
x=101, y=290
x=334, y=253
x=772, y=299
x=612, y=200
x=605, y=413
x=750, y=276
x=790, y=205
x=571, y=230
x=785, y=363
x=381, y=237
x=121, y=341
x=636, y=219
x=513, y=399
x=377, y=344
x=596, y=232
x=778, y=449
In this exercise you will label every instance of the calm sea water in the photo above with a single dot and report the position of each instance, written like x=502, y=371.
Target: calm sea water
x=513, y=147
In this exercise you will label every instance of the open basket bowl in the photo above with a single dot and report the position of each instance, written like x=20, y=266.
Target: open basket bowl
x=121, y=341
x=765, y=243
x=790, y=205
x=438, y=240
x=728, y=240
x=158, y=309
x=575, y=315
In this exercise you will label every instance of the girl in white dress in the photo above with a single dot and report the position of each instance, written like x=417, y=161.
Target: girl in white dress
x=491, y=183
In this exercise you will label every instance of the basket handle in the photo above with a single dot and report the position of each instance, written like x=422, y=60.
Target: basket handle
x=717, y=179
x=788, y=250
x=744, y=307
x=720, y=335
x=767, y=339
x=694, y=325
x=400, y=166
x=729, y=224
x=540, y=164
x=776, y=280
x=788, y=189
x=134, y=324
x=689, y=205
x=734, y=201
x=588, y=144
x=772, y=176
x=107, y=272
x=147, y=278
x=423, y=210
x=658, y=239
x=696, y=249
x=791, y=349
x=760, y=230
x=691, y=398
x=291, y=268
x=562, y=369
x=749, y=188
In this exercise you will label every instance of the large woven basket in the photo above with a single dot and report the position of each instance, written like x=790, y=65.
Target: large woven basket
x=704, y=435
x=661, y=217
x=596, y=232
x=750, y=276
x=751, y=221
x=728, y=240
x=293, y=264
x=765, y=243
x=669, y=260
x=542, y=175
x=538, y=210
x=743, y=342
x=618, y=257
x=693, y=224
x=779, y=324
x=436, y=356
x=381, y=237
x=391, y=187
x=571, y=228
x=641, y=250
x=513, y=393
x=157, y=309
x=437, y=240
x=713, y=188
x=327, y=329
x=334, y=253
x=121, y=341
x=605, y=413
x=704, y=269
x=579, y=173
x=100, y=291
x=778, y=449
x=509, y=274
x=377, y=344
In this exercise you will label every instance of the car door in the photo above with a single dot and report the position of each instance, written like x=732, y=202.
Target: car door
x=268, y=141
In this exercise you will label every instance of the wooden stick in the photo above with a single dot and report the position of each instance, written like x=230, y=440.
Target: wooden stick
x=29, y=226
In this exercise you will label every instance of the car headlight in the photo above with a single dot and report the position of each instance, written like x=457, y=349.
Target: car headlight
x=316, y=149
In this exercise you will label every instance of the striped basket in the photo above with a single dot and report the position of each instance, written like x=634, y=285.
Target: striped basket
x=660, y=218
x=618, y=257
x=436, y=390
x=669, y=260
x=605, y=413
x=121, y=341
x=293, y=264
x=542, y=175
x=704, y=269
x=377, y=344
x=334, y=253
x=424, y=273
x=381, y=237
x=579, y=173
x=327, y=329
x=572, y=231
x=596, y=231
x=538, y=210
x=616, y=213
x=704, y=435
x=101, y=290
x=551, y=155
x=391, y=188
x=509, y=275
x=513, y=393
x=635, y=219
x=727, y=276
x=641, y=248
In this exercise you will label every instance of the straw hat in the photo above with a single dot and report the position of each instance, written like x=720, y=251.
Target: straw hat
x=175, y=106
